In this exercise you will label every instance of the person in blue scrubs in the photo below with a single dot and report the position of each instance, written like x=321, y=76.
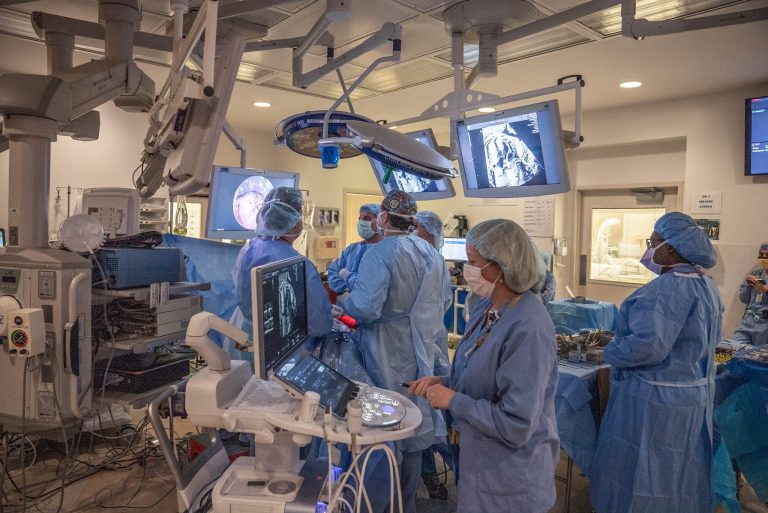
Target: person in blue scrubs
x=547, y=292
x=754, y=293
x=429, y=227
x=501, y=392
x=342, y=273
x=399, y=300
x=279, y=224
x=654, y=450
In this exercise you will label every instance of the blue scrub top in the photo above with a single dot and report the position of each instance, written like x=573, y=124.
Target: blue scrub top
x=350, y=260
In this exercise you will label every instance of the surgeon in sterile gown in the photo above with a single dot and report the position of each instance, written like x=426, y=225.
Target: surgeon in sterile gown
x=754, y=293
x=278, y=225
x=654, y=451
x=399, y=300
x=342, y=273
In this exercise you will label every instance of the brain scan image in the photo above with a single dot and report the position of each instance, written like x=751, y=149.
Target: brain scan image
x=288, y=308
x=248, y=200
x=509, y=160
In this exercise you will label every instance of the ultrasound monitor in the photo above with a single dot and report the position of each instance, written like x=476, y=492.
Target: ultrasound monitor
x=236, y=196
x=454, y=249
x=513, y=153
x=420, y=188
x=279, y=307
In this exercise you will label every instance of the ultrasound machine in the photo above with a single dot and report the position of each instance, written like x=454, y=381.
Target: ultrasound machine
x=292, y=397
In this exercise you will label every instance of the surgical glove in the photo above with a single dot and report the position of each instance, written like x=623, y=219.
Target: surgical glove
x=344, y=273
x=337, y=311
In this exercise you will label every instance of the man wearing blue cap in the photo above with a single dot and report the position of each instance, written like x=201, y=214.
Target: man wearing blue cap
x=654, y=451
x=754, y=293
x=342, y=273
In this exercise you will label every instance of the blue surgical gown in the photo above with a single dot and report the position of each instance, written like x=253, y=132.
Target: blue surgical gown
x=504, y=410
x=350, y=260
x=754, y=323
x=654, y=451
x=547, y=293
x=399, y=300
x=261, y=251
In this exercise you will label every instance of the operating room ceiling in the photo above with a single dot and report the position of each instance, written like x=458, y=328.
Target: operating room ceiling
x=671, y=66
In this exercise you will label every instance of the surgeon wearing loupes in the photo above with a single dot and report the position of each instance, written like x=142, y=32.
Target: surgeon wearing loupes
x=654, y=451
x=342, y=273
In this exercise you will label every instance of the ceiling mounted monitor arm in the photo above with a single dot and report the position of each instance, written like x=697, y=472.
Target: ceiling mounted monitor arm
x=639, y=28
x=237, y=140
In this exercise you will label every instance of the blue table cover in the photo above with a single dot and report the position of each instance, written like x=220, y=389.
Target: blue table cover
x=569, y=317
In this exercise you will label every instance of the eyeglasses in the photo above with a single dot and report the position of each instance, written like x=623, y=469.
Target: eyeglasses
x=651, y=243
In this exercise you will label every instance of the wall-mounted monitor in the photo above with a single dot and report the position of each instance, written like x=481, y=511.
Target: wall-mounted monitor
x=235, y=198
x=420, y=188
x=454, y=249
x=756, y=138
x=279, y=309
x=513, y=153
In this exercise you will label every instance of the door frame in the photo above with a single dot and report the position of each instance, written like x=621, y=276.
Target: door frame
x=577, y=209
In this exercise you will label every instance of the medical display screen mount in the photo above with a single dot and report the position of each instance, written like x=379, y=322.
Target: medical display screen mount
x=756, y=137
x=513, y=153
x=305, y=373
x=454, y=249
x=420, y=188
x=279, y=309
x=236, y=196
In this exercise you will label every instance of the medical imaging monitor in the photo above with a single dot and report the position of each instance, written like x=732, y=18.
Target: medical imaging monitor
x=420, y=188
x=454, y=249
x=513, y=153
x=236, y=196
x=279, y=309
x=756, y=137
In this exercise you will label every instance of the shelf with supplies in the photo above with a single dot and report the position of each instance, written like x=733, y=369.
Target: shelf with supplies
x=136, y=401
x=140, y=344
x=143, y=293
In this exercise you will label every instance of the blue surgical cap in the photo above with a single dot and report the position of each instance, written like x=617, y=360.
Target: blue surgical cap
x=433, y=224
x=682, y=233
x=280, y=213
x=371, y=208
x=506, y=243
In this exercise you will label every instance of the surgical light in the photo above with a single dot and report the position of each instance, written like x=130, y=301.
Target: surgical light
x=631, y=84
x=302, y=132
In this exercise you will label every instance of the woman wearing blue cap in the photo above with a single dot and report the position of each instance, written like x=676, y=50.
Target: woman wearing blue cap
x=654, y=451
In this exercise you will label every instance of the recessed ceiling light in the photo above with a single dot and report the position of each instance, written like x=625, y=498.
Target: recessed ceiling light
x=487, y=109
x=393, y=127
x=631, y=84
x=263, y=105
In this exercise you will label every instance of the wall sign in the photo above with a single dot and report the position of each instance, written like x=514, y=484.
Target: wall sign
x=708, y=203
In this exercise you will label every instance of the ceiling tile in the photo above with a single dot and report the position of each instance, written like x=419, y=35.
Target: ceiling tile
x=422, y=5
x=608, y=22
x=406, y=74
x=294, y=7
x=266, y=17
x=248, y=72
x=324, y=88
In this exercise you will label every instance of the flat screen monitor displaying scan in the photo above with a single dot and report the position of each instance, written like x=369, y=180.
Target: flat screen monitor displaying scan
x=454, y=250
x=279, y=308
x=513, y=153
x=236, y=197
x=756, y=138
x=420, y=188
x=305, y=373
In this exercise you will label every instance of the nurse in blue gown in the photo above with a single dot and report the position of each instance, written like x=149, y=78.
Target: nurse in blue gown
x=754, y=293
x=654, y=451
x=399, y=300
x=278, y=226
x=342, y=273
x=501, y=392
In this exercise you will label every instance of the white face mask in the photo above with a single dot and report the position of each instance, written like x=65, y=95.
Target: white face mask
x=477, y=284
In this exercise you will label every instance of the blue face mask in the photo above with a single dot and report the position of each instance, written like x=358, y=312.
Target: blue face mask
x=364, y=229
x=648, y=261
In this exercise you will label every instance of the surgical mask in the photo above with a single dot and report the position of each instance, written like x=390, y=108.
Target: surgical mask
x=473, y=275
x=763, y=262
x=648, y=262
x=364, y=229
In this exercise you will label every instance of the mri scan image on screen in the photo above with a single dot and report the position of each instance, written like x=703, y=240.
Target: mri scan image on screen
x=418, y=187
x=512, y=153
x=236, y=196
x=281, y=308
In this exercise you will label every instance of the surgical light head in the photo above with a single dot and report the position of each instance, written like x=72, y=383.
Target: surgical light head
x=302, y=132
